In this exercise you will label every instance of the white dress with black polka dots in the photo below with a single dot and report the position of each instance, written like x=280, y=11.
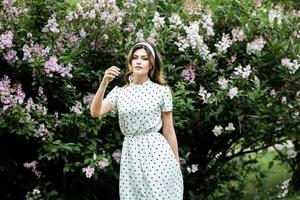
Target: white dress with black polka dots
x=149, y=170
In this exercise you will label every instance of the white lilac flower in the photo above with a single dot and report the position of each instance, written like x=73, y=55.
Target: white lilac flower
x=175, y=21
x=82, y=33
x=158, y=21
x=284, y=188
x=256, y=45
x=193, y=36
x=204, y=95
x=224, y=43
x=140, y=35
x=223, y=82
x=293, y=66
x=103, y=163
x=182, y=44
x=238, y=34
x=243, y=71
x=152, y=36
x=230, y=127
x=193, y=168
x=36, y=191
x=232, y=92
x=217, y=130
x=208, y=24
x=283, y=100
x=42, y=132
x=275, y=13
x=77, y=108
x=89, y=171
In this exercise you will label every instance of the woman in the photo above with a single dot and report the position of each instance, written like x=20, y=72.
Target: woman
x=150, y=166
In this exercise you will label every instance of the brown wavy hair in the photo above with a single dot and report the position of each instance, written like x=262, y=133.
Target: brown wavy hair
x=156, y=73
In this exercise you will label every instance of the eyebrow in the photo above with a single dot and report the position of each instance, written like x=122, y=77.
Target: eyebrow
x=137, y=55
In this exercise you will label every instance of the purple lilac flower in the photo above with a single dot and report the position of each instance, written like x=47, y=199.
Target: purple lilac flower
x=11, y=56
x=33, y=166
x=103, y=163
x=52, y=66
x=6, y=40
x=10, y=96
x=87, y=100
x=188, y=73
x=36, y=50
x=8, y=7
x=89, y=171
x=51, y=25
x=117, y=156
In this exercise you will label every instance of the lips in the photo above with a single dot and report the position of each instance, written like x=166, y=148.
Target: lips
x=137, y=67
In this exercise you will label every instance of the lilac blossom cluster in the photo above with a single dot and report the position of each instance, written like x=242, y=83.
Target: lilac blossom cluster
x=218, y=130
x=33, y=167
x=52, y=25
x=103, y=163
x=203, y=94
x=89, y=171
x=35, y=192
x=292, y=66
x=188, y=73
x=77, y=108
x=36, y=50
x=10, y=96
x=9, y=8
x=6, y=39
x=224, y=44
x=117, y=155
x=52, y=66
x=31, y=106
x=256, y=45
x=93, y=9
x=42, y=132
x=244, y=72
x=11, y=56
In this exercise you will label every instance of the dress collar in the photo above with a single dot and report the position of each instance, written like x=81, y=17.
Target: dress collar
x=148, y=81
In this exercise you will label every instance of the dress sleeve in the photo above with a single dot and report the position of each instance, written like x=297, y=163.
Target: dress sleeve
x=167, y=104
x=112, y=97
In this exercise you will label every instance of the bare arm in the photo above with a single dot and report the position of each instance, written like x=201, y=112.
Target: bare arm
x=169, y=132
x=98, y=106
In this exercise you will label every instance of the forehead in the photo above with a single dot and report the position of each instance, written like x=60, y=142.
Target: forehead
x=140, y=52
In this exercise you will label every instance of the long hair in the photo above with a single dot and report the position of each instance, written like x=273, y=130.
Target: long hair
x=155, y=73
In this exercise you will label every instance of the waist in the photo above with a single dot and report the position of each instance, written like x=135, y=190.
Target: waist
x=146, y=133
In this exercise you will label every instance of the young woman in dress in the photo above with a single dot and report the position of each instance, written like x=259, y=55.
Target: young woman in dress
x=149, y=168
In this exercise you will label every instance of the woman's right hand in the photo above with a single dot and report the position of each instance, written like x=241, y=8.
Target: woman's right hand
x=110, y=74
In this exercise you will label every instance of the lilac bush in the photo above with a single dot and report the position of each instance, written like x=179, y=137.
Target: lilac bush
x=233, y=67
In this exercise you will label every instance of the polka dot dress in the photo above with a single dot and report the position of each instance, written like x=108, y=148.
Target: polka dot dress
x=149, y=170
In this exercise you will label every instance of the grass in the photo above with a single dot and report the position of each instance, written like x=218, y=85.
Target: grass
x=274, y=177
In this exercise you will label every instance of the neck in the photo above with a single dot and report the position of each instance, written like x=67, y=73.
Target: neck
x=139, y=79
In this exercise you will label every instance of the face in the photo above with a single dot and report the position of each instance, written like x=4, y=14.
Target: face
x=140, y=62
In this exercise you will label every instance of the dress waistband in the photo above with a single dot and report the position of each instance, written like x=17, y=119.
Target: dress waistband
x=141, y=134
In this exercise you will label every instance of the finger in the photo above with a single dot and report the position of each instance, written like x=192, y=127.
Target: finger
x=116, y=71
x=114, y=67
x=113, y=73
